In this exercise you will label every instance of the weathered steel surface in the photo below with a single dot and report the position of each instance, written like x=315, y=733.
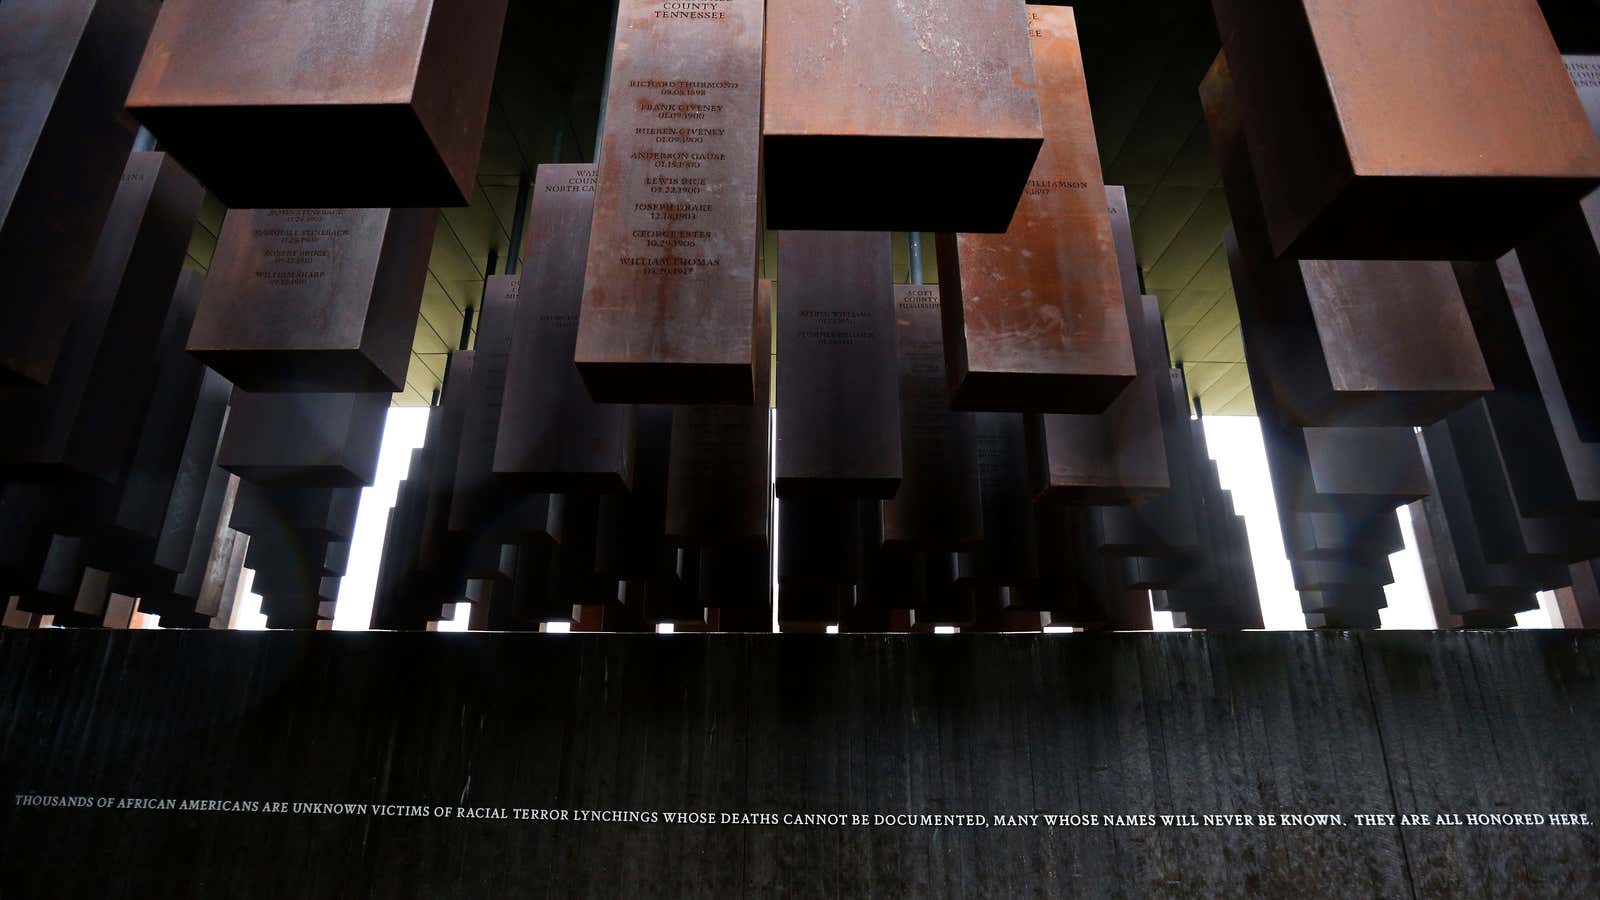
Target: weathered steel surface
x=938, y=505
x=838, y=379
x=1457, y=499
x=1486, y=140
x=1509, y=532
x=319, y=440
x=315, y=299
x=553, y=437
x=480, y=505
x=1035, y=319
x=717, y=488
x=1118, y=456
x=1343, y=342
x=65, y=67
x=1010, y=554
x=671, y=280
x=151, y=470
x=1551, y=469
x=1562, y=264
x=84, y=421
x=386, y=106
x=863, y=98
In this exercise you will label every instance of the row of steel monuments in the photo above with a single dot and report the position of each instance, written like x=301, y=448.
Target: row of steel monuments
x=1006, y=449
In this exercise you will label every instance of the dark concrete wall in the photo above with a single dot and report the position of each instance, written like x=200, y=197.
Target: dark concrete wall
x=1160, y=724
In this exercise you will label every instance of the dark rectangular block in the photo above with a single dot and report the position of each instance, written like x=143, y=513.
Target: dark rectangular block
x=736, y=578
x=1010, y=554
x=1120, y=455
x=1487, y=139
x=315, y=299
x=1562, y=264
x=864, y=98
x=386, y=107
x=1551, y=468
x=311, y=440
x=1337, y=535
x=63, y=78
x=819, y=540
x=84, y=421
x=269, y=510
x=1507, y=531
x=938, y=505
x=553, y=437
x=1457, y=498
x=1035, y=318
x=717, y=487
x=838, y=379
x=146, y=490
x=199, y=486
x=480, y=504
x=671, y=277
x=634, y=543
x=1343, y=342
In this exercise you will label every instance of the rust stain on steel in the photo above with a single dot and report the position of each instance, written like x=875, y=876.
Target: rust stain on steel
x=355, y=102
x=1341, y=342
x=1411, y=129
x=315, y=299
x=671, y=275
x=864, y=95
x=1035, y=319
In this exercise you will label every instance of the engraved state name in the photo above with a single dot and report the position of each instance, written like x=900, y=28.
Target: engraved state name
x=703, y=10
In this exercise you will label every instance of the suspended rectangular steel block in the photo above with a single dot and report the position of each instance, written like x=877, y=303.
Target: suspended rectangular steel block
x=140, y=508
x=1460, y=510
x=1485, y=140
x=1010, y=554
x=386, y=105
x=1118, y=456
x=84, y=421
x=1342, y=342
x=1552, y=471
x=310, y=440
x=671, y=282
x=838, y=379
x=1507, y=531
x=64, y=74
x=553, y=437
x=938, y=505
x=819, y=540
x=199, y=487
x=864, y=98
x=315, y=299
x=480, y=505
x=270, y=512
x=1562, y=266
x=717, y=488
x=1035, y=318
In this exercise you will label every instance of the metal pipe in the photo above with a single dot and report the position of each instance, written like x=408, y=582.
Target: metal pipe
x=519, y=220
x=915, y=238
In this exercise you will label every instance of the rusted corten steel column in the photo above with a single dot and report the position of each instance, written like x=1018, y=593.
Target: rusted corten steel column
x=1035, y=319
x=863, y=97
x=362, y=103
x=671, y=279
